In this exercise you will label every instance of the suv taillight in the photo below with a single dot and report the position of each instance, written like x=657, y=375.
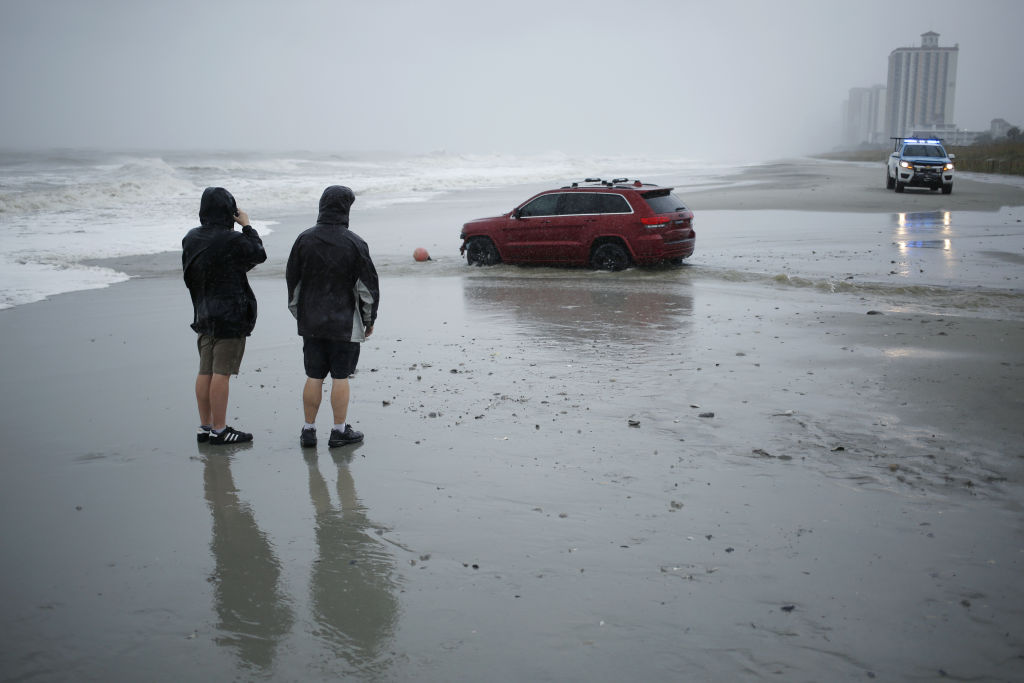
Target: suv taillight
x=656, y=221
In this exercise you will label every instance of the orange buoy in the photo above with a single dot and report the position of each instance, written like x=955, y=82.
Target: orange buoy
x=421, y=254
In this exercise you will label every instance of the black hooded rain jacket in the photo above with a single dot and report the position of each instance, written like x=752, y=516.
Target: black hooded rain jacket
x=215, y=259
x=333, y=290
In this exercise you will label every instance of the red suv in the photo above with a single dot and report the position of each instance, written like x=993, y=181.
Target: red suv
x=608, y=224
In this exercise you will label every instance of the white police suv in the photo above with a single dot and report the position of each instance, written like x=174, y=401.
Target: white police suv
x=918, y=162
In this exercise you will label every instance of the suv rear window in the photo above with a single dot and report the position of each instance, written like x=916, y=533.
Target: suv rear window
x=664, y=202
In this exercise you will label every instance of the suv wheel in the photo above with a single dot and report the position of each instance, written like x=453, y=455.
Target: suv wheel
x=889, y=182
x=947, y=189
x=609, y=256
x=480, y=251
x=900, y=186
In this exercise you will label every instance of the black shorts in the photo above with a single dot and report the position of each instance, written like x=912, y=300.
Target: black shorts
x=321, y=356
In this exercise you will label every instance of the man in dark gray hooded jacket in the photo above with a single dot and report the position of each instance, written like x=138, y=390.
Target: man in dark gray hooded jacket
x=333, y=292
x=215, y=259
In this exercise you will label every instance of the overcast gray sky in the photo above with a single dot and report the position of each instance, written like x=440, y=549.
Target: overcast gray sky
x=758, y=79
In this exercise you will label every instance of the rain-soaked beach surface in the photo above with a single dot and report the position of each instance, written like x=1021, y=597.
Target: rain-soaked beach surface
x=804, y=468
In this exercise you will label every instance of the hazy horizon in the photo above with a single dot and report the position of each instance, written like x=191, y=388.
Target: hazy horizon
x=738, y=80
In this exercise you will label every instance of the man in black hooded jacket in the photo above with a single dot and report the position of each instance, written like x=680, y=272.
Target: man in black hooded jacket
x=215, y=259
x=333, y=293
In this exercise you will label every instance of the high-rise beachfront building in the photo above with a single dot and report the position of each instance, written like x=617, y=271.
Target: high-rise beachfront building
x=864, y=116
x=921, y=90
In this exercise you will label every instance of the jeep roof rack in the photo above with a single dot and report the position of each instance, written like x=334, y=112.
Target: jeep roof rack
x=616, y=182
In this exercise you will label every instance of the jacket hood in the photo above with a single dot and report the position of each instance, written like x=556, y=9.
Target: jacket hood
x=217, y=207
x=334, y=205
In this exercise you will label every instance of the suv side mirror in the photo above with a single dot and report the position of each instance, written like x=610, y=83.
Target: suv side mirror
x=516, y=213
x=952, y=156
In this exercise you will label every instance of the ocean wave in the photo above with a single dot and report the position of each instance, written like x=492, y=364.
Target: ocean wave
x=934, y=298
x=31, y=282
x=58, y=208
x=137, y=183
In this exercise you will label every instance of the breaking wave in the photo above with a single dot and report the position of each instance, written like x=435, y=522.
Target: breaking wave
x=60, y=208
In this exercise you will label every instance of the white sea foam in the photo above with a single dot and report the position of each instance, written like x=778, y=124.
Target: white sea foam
x=58, y=209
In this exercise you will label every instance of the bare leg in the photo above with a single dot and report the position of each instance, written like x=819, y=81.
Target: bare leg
x=339, y=399
x=203, y=399
x=219, y=400
x=312, y=393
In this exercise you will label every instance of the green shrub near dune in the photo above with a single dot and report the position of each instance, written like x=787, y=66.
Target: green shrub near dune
x=995, y=157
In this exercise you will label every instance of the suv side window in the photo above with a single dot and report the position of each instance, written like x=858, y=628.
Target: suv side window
x=577, y=203
x=613, y=203
x=545, y=205
x=591, y=203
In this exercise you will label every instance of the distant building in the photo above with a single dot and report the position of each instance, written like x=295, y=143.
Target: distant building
x=864, y=116
x=953, y=137
x=999, y=128
x=921, y=90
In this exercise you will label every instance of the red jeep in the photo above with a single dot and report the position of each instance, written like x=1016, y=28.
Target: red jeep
x=608, y=224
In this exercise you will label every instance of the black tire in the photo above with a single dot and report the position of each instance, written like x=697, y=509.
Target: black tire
x=889, y=182
x=481, y=251
x=609, y=256
x=947, y=189
x=900, y=186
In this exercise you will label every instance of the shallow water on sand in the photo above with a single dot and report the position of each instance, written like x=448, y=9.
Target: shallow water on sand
x=721, y=471
x=928, y=261
x=775, y=510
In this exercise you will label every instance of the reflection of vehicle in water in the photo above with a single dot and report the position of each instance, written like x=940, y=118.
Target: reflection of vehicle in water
x=607, y=224
x=351, y=585
x=924, y=229
x=919, y=163
x=927, y=220
x=584, y=310
x=252, y=611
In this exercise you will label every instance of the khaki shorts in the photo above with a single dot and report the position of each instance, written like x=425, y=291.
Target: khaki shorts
x=220, y=356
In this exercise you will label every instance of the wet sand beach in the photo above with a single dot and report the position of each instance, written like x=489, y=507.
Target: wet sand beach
x=797, y=457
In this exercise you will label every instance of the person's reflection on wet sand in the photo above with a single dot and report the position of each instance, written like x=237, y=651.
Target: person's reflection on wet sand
x=352, y=585
x=253, y=614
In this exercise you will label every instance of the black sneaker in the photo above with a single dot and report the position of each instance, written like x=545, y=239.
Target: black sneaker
x=229, y=435
x=202, y=434
x=307, y=439
x=344, y=438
